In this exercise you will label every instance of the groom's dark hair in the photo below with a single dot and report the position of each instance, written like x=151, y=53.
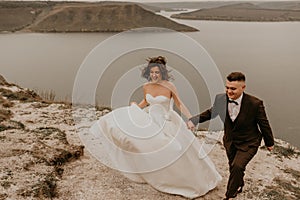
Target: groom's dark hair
x=236, y=76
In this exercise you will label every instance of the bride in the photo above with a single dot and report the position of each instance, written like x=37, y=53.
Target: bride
x=150, y=143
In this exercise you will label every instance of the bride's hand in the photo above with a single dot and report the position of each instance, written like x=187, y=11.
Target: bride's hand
x=133, y=102
x=190, y=125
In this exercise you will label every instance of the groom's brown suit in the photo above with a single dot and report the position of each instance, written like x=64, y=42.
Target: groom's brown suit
x=242, y=137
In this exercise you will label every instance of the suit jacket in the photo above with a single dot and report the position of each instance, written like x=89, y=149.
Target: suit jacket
x=248, y=129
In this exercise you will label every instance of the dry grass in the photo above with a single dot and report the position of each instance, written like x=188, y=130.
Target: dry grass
x=286, y=152
x=47, y=95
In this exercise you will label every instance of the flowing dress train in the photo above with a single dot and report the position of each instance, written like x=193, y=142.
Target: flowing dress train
x=154, y=146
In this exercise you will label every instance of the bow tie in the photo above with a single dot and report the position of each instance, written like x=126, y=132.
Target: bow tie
x=232, y=101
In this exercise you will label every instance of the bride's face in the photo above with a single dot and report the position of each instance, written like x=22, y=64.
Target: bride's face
x=155, y=74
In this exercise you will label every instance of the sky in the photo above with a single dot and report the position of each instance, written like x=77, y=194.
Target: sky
x=147, y=1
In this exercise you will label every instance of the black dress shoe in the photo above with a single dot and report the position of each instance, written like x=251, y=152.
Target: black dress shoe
x=227, y=198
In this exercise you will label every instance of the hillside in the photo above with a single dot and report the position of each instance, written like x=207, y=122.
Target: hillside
x=245, y=12
x=80, y=17
x=42, y=157
x=283, y=5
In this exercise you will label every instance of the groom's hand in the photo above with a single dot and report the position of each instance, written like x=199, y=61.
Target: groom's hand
x=270, y=148
x=190, y=125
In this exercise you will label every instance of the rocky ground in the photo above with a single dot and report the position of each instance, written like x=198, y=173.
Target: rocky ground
x=42, y=157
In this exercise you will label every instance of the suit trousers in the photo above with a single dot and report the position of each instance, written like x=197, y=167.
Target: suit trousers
x=238, y=161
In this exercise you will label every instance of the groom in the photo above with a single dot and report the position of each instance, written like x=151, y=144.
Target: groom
x=245, y=124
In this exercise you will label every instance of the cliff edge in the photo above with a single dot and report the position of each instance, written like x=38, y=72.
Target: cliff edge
x=42, y=157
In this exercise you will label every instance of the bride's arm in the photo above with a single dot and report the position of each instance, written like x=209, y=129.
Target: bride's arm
x=179, y=104
x=143, y=103
x=183, y=109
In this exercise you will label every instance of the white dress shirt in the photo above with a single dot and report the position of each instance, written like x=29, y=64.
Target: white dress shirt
x=234, y=109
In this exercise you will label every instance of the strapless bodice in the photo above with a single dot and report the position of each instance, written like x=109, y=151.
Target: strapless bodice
x=159, y=100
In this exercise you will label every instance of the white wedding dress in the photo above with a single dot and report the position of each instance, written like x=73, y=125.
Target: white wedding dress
x=153, y=145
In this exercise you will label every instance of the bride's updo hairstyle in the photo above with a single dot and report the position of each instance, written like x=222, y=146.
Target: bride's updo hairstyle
x=159, y=62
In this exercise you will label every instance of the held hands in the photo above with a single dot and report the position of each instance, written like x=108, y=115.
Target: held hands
x=190, y=125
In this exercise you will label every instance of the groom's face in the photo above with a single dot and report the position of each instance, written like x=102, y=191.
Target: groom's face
x=234, y=89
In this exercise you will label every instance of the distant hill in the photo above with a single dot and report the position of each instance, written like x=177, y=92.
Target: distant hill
x=48, y=16
x=186, y=5
x=283, y=5
x=157, y=6
x=245, y=12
